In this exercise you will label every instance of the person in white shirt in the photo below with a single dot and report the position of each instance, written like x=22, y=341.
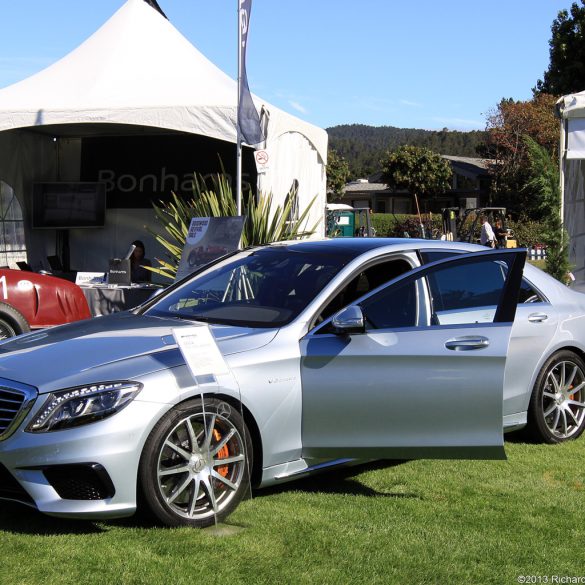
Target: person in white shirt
x=487, y=236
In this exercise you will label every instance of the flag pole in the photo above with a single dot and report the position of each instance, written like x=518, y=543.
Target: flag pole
x=238, y=133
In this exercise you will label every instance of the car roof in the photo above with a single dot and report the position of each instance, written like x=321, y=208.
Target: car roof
x=357, y=246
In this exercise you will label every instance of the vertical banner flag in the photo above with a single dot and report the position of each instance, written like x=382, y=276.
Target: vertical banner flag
x=248, y=118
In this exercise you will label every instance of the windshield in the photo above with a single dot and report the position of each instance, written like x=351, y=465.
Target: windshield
x=262, y=288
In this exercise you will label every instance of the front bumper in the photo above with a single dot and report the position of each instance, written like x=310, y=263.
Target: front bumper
x=113, y=446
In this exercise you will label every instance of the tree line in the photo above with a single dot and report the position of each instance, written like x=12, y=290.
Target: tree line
x=363, y=147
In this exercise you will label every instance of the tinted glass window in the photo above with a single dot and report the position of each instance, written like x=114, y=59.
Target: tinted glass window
x=528, y=294
x=364, y=282
x=467, y=286
x=393, y=307
x=467, y=293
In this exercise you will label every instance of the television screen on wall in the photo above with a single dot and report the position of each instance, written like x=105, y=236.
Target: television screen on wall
x=68, y=205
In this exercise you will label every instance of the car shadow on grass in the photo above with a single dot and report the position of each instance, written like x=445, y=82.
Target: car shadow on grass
x=21, y=519
x=521, y=436
x=339, y=481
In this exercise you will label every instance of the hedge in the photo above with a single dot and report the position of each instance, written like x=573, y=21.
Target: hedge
x=527, y=232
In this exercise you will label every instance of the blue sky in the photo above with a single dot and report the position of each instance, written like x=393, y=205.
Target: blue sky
x=424, y=64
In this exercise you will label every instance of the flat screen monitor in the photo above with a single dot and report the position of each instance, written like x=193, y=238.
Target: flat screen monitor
x=68, y=205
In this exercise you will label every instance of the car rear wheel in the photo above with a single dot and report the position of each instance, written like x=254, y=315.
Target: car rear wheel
x=557, y=406
x=12, y=322
x=194, y=468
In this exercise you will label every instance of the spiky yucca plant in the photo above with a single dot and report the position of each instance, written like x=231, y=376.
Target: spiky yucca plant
x=262, y=225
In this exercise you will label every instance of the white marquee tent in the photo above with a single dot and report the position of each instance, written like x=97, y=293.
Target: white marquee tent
x=138, y=71
x=572, y=111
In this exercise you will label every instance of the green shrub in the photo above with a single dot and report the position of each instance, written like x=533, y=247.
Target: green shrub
x=391, y=225
x=384, y=223
x=528, y=232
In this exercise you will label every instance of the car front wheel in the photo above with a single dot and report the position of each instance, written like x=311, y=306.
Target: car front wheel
x=557, y=406
x=194, y=468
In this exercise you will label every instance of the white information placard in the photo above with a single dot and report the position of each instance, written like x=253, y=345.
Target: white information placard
x=90, y=278
x=200, y=350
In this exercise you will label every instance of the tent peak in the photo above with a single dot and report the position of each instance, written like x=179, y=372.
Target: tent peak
x=154, y=4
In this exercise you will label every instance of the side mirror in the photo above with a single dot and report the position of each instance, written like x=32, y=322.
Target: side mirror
x=349, y=320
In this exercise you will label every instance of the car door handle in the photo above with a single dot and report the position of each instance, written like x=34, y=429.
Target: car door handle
x=537, y=317
x=467, y=343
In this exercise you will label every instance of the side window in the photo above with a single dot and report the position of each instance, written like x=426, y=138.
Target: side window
x=466, y=294
x=364, y=282
x=394, y=307
x=452, y=295
x=528, y=294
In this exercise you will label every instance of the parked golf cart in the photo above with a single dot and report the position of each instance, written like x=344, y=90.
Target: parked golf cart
x=345, y=221
x=464, y=225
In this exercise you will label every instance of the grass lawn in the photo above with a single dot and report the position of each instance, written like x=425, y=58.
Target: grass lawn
x=443, y=522
x=538, y=263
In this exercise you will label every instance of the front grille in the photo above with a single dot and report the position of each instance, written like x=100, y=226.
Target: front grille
x=10, y=489
x=10, y=403
x=15, y=402
x=86, y=481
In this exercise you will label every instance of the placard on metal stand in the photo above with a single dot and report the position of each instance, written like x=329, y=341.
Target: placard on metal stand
x=219, y=441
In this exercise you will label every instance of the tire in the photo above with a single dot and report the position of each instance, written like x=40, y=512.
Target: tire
x=12, y=322
x=180, y=481
x=556, y=412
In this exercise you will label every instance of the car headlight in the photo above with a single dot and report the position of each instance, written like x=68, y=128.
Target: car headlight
x=82, y=405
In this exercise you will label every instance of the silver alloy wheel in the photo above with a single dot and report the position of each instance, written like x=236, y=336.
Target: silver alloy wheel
x=200, y=467
x=563, y=399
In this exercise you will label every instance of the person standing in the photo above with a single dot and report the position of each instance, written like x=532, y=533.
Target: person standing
x=138, y=262
x=487, y=236
x=501, y=234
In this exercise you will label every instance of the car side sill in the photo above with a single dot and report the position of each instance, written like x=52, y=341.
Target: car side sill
x=514, y=422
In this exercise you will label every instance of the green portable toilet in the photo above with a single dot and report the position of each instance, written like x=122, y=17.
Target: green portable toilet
x=340, y=220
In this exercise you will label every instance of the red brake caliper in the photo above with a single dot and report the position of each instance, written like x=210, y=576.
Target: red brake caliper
x=221, y=454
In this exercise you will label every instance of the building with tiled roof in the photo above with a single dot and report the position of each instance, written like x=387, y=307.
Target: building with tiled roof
x=470, y=187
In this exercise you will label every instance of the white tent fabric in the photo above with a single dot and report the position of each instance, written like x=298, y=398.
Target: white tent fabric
x=572, y=111
x=137, y=69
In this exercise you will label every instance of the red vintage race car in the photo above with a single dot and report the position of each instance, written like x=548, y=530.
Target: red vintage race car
x=29, y=300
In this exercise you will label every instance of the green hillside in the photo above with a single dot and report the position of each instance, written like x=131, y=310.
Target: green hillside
x=363, y=146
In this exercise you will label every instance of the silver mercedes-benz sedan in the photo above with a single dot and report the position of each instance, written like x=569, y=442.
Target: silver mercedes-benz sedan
x=285, y=359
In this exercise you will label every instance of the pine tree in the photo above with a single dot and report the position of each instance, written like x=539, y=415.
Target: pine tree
x=544, y=181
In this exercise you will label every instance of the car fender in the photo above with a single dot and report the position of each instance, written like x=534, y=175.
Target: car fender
x=43, y=300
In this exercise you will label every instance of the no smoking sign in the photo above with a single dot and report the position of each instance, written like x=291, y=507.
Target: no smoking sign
x=261, y=157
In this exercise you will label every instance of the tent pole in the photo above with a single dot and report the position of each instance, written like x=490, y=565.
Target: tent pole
x=238, y=135
x=562, y=158
x=239, y=177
